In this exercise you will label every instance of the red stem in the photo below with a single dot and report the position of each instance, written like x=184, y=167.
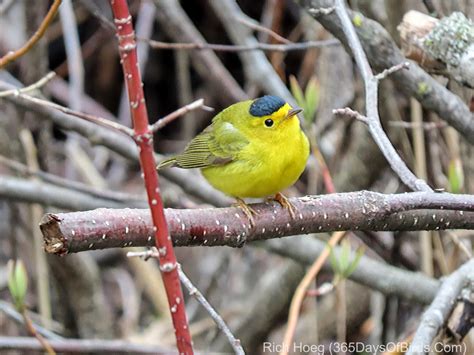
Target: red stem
x=144, y=139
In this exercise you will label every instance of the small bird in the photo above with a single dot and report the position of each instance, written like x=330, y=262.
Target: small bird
x=253, y=148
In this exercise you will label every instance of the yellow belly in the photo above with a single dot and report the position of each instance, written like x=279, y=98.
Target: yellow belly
x=262, y=169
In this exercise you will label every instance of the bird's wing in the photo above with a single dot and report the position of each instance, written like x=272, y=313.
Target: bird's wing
x=217, y=145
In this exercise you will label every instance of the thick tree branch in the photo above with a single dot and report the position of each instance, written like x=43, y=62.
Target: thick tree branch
x=438, y=312
x=365, y=210
x=383, y=53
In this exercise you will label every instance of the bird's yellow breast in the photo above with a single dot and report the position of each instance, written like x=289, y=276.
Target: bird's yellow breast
x=267, y=165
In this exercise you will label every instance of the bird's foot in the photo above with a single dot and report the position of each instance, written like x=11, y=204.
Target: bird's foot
x=285, y=203
x=247, y=210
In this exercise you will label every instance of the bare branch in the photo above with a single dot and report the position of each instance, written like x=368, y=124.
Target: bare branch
x=144, y=140
x=395, y=68
x=11, y=56
x=24, y=190
x=97, y=135
x=439, y=311
x=179, y=27
x=40, y=83
x=376, y=274
x=365, y=210
x=427, y=126
x=179, y=112
x=193, y=291
x=300, y=292
x=91, y=118
x=73, y=346
x=244, y=48
x=72, y=185
x=371, y=103
x=347, y=111
x=383, y=53
x=258, y=27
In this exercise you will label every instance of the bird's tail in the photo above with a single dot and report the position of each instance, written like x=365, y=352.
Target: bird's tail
x=167, y=163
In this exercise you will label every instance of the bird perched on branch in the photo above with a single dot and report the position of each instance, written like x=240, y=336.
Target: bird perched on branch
x=253, y=148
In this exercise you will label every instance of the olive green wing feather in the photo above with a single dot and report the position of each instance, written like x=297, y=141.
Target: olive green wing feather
x=218, y=144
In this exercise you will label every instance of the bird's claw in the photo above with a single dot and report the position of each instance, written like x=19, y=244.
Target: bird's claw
x=247, y=210
x=285, y=203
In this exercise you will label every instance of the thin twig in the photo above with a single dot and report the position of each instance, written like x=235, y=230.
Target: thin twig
x=395, y=68
x=33, y=332
x=40, y=83
x=13, y=55
x=427, y=126
x=91, y=118
x=258, y=27
x=371, y=102
x=300, y=292
x=243, y=48
x=11, y=312
x=41, y=264
x=425, y=242
x=348, y=112
x=179, y=112
x=459, y=244
x=193, y=291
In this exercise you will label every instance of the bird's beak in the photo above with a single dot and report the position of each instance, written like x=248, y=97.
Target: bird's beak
x=293, y=112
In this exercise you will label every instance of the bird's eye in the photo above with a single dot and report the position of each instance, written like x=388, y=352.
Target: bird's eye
x=268, y=122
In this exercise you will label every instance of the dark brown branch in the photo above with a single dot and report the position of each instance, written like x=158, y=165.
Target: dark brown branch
x=106, y=228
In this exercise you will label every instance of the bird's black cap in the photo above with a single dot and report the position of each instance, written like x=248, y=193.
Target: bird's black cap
x=266, y=105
